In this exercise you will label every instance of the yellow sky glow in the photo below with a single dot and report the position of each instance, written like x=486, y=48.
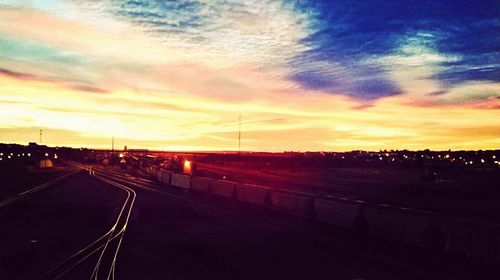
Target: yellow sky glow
x=160, y=95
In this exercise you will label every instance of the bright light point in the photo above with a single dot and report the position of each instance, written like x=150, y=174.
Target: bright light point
x=55, y=156
x=471, y=162
x=46, y=154
x=494, y=157
x=8, y=156
x=482, y=160
x=120, y=155
x=29, y=154
x=187, y=167
x=380, y=158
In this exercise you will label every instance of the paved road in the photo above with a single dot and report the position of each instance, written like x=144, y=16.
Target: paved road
x=178, y=235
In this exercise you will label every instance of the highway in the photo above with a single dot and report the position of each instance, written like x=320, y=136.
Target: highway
x=107, y=225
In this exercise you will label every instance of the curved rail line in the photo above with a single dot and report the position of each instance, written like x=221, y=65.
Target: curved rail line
x=108, y=244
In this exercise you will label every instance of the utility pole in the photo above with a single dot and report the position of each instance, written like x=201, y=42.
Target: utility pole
x=112, y=145
x=41, y=136
x=239, y=134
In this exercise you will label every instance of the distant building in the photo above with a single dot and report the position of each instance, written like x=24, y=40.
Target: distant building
x=46, y=163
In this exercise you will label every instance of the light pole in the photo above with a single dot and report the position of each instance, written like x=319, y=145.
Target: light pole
x=239, y=134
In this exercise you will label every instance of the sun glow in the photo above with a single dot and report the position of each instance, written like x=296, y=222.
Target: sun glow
x=185, y=90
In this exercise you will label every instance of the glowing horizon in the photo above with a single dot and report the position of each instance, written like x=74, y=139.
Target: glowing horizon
x=304, y=77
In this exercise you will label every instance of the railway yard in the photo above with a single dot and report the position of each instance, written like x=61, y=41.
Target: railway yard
x=85, y=220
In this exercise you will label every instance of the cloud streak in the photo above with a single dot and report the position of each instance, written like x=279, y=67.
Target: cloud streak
x=305, y=76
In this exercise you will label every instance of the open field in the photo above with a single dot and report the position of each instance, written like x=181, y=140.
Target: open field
x=16, y=177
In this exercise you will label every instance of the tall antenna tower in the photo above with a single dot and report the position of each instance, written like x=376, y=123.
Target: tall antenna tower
x=41, y=136
x=239, y=134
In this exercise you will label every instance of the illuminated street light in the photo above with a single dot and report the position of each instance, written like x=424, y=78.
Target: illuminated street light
x=55, y=156
x=46, y=154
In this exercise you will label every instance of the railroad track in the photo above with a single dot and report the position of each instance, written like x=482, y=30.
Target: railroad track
x=31, y=191
x=152, y=186
x=106, y=246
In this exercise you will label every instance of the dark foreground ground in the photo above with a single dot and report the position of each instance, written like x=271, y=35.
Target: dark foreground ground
x=16, y=178
x=176, y=235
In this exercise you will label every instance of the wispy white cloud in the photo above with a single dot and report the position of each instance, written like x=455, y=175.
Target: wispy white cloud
x=265, y=33
x=178, y=74
x=415, y=62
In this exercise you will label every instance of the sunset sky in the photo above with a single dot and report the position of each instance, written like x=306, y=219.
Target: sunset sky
x=303, y=75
